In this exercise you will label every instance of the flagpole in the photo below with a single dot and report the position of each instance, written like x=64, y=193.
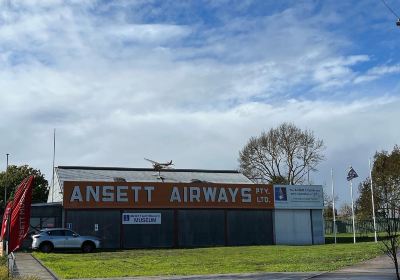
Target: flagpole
x=352, y=210
x=54, y=157
x=372, y=200
x=333, y=206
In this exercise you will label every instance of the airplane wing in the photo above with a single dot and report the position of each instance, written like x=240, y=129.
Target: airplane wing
x=152, y=161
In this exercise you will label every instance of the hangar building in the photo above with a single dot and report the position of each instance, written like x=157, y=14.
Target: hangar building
x=141, y=208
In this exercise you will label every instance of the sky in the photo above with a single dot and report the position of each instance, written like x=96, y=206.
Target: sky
x=192, y=81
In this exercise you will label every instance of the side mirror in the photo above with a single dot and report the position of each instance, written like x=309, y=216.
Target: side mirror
x=75, y=235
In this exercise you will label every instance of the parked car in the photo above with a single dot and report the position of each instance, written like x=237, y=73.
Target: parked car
x=60, y=238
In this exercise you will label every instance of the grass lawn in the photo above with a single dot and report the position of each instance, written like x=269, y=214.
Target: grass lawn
x=208, y=260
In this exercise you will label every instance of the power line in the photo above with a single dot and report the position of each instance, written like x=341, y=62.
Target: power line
x=390, y=9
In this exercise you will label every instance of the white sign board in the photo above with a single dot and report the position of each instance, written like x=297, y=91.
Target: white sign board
x=141, y=218
x=298, y=197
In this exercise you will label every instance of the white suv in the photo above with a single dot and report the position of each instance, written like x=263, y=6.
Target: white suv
x=61, y=238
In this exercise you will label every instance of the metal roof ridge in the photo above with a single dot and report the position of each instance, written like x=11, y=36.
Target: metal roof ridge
x=146, y=169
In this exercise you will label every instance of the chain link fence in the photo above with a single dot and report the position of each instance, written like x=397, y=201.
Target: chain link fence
x=363, y=227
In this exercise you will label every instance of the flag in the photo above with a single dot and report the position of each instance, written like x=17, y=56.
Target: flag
x=352, y=174
x=5, y=220
x=19, y=190
x=20, y=214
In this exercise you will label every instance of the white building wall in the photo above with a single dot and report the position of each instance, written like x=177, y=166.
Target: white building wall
x=55, y=190
x=292, y=227
x=298, y=227
x=318, y=226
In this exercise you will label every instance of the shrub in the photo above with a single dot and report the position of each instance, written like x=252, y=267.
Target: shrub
x=3, y=272
x=4, y=275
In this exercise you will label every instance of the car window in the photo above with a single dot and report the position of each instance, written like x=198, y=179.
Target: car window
x=69, y=233
x=56, y=232
x=48, y=222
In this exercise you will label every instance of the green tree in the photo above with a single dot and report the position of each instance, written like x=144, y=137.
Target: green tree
x=386, y=183
x=13, y=177
x=283, y=155
x=364, y=202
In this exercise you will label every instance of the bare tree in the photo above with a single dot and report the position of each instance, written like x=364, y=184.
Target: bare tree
x=345, y=210
x=283, y=155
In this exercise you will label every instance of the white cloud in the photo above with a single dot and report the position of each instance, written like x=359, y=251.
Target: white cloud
x=377, y=72
x=337, y=71
x=118, y=88
x=147, y=33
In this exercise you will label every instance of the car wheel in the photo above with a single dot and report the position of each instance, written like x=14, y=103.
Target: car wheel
x=87, y=247
x=46, y=247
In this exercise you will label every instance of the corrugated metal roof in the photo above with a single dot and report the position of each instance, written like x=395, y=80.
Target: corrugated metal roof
x=110, y=174
x=147, y=169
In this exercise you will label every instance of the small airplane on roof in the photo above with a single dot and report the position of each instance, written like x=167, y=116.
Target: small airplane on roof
x=158, y=166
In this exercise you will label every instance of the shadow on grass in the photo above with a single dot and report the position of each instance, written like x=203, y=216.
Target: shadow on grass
x=348, y=239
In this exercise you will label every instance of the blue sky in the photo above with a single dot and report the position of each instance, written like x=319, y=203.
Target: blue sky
x=191, y=81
